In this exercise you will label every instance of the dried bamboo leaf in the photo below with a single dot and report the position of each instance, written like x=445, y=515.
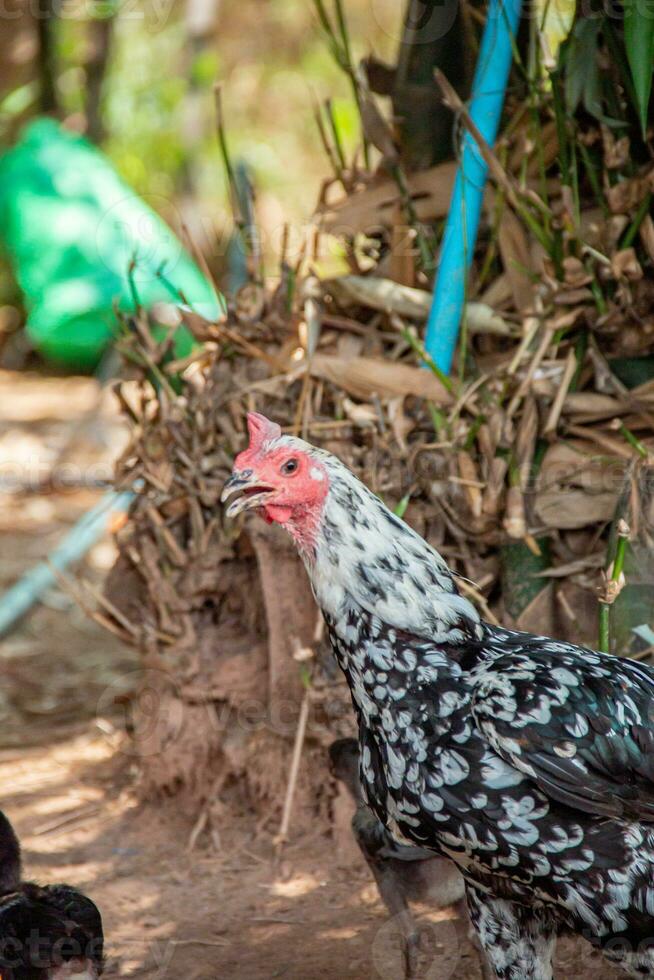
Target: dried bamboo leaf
x=516, y=258
x=573, y=508
x=497, y=293
x=627, y=195
x=625, y=265
x=515, y=520
x=646, y=232
x=470, y=482
x=368, y=210
x=592, y=403
x=482, y=319
x=364, y=377
x=376, y=129
x=406, y=301
x=380, y=294
x=562, y=390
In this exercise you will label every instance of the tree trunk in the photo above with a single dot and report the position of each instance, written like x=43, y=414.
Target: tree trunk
x=433, y=37
x=291, y=616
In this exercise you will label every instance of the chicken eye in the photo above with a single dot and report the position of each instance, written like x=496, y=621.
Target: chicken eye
x=290, y=466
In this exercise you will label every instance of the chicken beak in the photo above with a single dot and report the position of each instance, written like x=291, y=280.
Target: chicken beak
x=251, y=493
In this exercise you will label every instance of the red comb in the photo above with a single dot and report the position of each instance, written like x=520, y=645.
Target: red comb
x=261, y=430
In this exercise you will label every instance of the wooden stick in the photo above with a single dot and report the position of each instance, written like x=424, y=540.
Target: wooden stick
x=532, y=324
x=525, y=384
x=557, y=405
x=495, y=168
x=282, y=834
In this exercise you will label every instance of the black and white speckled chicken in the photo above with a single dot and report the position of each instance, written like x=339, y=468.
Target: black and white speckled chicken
x=403, y=873
x=46, y=933
x=530, y=762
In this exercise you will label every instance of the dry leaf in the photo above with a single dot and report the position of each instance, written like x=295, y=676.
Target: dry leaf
x=516, y=258
x=405, y=301
x=627, y=195
x=375, y=127
x=576, y=487
x=573, y=508
x=572, y=297
x=367, y=376
x=360, y=414
x=624, y=264
x=646, y=232
x=575, y=272
x=567, y=462
x=538, y=617
x=498, y=292
x=616, y=151
x=515, y=522
x=495, y=486
x=375, y=207
x=470, y=478
x=591, y=402
x=380, y=294
x=401, y=424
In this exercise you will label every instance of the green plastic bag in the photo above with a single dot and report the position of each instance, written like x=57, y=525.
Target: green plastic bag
x=72, y=228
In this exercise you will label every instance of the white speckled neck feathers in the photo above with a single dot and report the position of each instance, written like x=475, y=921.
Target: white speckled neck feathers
x=366, y=556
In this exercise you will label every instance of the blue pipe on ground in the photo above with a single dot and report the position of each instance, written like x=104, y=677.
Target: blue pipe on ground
x=488, y=90
x=20, y=598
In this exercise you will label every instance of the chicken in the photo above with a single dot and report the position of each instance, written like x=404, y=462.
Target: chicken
x=528, y=761
x=49, y=933
x=403, y=874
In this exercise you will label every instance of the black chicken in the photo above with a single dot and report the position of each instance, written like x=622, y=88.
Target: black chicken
x=529, y=762
x=46, y=933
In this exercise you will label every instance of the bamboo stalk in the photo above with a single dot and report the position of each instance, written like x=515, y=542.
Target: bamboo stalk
x=614, y=583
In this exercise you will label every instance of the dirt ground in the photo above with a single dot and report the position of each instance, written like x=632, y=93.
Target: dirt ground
x=230, y=908
x=230, y=913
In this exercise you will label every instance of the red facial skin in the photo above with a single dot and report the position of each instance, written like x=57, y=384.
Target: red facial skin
x=298, y=496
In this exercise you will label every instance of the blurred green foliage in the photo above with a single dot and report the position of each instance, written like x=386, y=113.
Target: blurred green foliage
x=157, y=102
x=271, y=59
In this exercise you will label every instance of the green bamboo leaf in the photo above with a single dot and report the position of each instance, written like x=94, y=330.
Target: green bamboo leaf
x=400, y=510
x=555, y=20
x=639, y=44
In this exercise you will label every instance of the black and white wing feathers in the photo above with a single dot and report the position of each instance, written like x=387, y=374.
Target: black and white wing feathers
x=579, y=723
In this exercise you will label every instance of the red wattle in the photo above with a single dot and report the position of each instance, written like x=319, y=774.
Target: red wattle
x=277, y=512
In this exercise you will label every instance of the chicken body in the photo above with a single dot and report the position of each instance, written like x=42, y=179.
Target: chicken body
x=530, y=762
x=46, y=933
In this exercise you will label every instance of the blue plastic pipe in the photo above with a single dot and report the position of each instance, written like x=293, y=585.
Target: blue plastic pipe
x=488, y=90
x=20, y=598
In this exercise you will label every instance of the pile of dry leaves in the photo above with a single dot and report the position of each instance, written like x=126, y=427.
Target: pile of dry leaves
x=515, y=468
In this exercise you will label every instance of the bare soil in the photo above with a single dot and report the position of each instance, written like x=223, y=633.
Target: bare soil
x=235, y=911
